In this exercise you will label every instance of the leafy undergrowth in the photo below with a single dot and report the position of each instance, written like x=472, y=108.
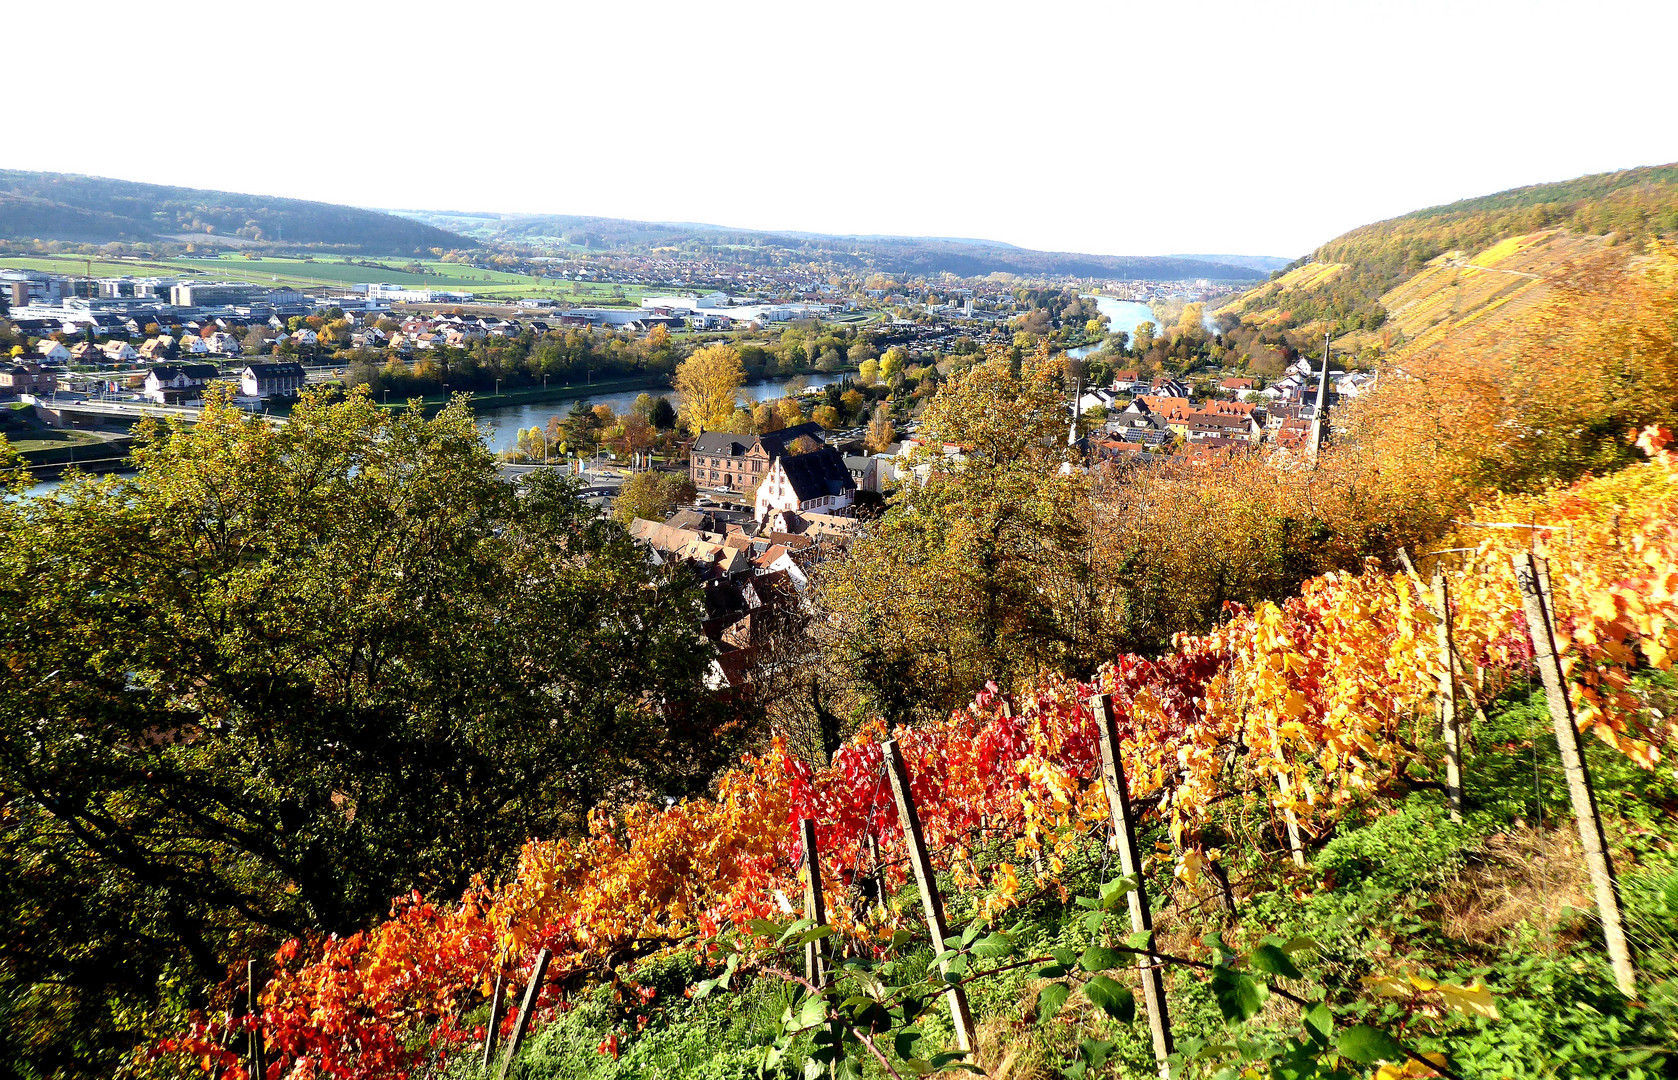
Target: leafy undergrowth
x=1401, y=899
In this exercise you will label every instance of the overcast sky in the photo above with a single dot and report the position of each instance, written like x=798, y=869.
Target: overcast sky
x=1114, y=128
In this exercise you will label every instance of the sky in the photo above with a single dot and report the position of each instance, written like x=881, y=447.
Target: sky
x=1116, y=128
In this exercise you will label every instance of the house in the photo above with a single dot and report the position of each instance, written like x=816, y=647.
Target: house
x=734, y=462
x=26, y=378
x=305, y=336
x=175, y=384
x=193, y=345
x=224, y=344
x=864, y=470
x=816, y=480
x=265, y=380
x=157, y=348
x=86, y=352
x=53, y=351
x=1238, y=386
x=120, y=352
x=1097, y=399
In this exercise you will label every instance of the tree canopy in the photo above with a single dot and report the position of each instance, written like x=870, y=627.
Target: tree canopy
x=283, y=673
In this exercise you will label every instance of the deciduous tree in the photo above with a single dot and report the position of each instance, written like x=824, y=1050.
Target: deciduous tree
x=707, y=381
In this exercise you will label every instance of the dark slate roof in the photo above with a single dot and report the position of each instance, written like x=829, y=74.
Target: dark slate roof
x=818, y=474
x=723, y=443
x=166, y=372
x=276, y=370
x=776, y=441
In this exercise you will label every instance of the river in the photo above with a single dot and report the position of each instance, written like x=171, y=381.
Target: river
x=1124, y=315
x=501, y=427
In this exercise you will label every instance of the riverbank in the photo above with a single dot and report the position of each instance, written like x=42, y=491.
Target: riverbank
x=604, y=389
x=537, y=395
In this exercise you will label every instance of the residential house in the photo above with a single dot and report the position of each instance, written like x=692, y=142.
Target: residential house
x=224, y=344
x=734, y=462
x=266, y=380
x=157, y=348
x=27, y=378
x=175, y=384
x=86, y=352
x=120, y=352
x=814, y=481
x=304, y=336
x=53, y=351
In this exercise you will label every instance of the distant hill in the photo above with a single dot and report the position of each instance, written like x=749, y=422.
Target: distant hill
x=1350, y=282
x=95, y=210
x=1265, y=263
x=889, y=254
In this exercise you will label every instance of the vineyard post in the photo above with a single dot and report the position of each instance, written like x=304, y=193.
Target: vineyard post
x=257, y=1052
x=1532, y=578
x=814, y=910
x=492, y=1032
x=1296, y=844
x=1459, y=666
x=1130, y=864
x=961, y=1018
x=879, y=867
x=1448, y=697
x=531, y=992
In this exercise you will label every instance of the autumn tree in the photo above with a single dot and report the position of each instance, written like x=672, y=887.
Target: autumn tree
x=284, y=672
x=652, y=495
x=981, y=572
x=707, y=382
x=766, y=418
x=881, y=431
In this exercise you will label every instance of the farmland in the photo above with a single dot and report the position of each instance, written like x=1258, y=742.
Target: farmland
x=314, y=273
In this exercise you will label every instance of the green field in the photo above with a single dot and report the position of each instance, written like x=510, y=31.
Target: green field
x=309, y=273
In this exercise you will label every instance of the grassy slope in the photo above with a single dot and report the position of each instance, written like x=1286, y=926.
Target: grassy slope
x=1499, y=898
x=1358, y=278
x=66, y=206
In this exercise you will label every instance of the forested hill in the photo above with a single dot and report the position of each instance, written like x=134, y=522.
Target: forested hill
x=889, y=254
x=1342, y=282
x=96, y=210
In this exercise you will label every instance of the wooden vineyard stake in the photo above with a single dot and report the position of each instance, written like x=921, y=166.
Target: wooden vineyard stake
x=531, y=992
x=961, y=1018
x=814, y=910
x=492, y=1031
x=1459, y=666
x=257, y=1053
x=1448, y=698
x=1296, y=845
x=1532, y=577
x=879, y=866
x=1130, y=864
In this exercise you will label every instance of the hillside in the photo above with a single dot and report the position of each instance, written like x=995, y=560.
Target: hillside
x=1352, y=283
x=923, y=255
x=96, y=210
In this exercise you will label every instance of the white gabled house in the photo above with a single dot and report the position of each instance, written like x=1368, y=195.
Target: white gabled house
x=177, y=384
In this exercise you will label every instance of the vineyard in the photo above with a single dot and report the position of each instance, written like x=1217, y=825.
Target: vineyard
x=1262, y=735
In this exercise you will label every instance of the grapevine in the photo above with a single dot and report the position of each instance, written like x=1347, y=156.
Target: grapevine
x=1304, y=706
